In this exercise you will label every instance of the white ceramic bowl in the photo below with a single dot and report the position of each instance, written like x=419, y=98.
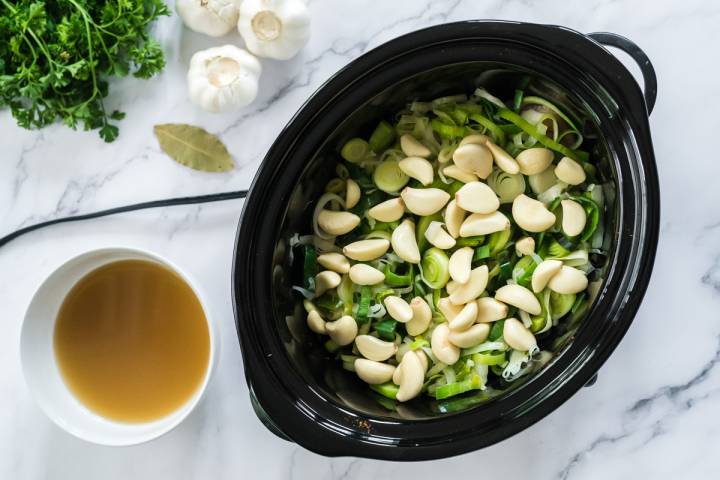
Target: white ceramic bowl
x=43, y=376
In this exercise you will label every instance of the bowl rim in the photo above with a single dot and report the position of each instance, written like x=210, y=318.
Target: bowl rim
x=139, y=432
x=300, y=417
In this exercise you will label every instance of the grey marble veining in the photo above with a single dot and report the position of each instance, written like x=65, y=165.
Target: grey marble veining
x=653, y=412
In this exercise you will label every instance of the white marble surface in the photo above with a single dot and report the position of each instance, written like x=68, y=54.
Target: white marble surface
x=654, y=410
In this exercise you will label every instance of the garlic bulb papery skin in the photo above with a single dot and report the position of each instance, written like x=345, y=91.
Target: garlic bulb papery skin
x=211, y=17
x=223, y=78
x=274, y=28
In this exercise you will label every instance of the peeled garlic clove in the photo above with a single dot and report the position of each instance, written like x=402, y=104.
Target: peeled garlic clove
x=490, y=310
x=404, y=242
x=223, y=78
x=421, y=317
x=520, y=297
x=315, y=322
x=534, y=160
x=531, y=215
x=474, y=335
x=335, y=262
x=423, y=359
x=517, y=336
x=465, y=318
x=352, y=193
x=438, y=237
x=484, y=224
x=215, y=18
x=573, y=217
x=543, y=273
x=388, y=211
x=542, y=181
x=503, y=160
x=452, y=285
x=454, y=216
x=277, y=29
x=373, y=348
x=413, y=148
x=424, y=201
x=325, y=281
x=362, y=274
x=365, y=250
x=398, y=309
x=525, y=246
x=417, y=168
x=441, y=347
x=448, y=309
x=568, y=280
x=460, y=265
x=475, y=138
x=473, y=288
x=337, y=223
x=397, y=376
x=570, y=171
x=411, y=378
x=477, y=197
x=373, y=373
x=474, y=158
x=343, y=330
x=453, y=171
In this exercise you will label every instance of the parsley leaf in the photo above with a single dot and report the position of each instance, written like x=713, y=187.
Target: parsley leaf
x=56, y=58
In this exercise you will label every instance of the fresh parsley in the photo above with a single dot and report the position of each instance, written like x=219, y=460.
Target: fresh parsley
x=56, y=58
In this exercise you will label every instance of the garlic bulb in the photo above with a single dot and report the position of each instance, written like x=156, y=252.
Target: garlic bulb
x=274, y=28
x=223, y=78
x=211, y=17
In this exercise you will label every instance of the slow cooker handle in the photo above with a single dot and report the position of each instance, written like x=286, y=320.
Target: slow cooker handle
x=642, y=60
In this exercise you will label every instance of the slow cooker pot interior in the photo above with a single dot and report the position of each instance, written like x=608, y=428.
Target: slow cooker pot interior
x=319, y=369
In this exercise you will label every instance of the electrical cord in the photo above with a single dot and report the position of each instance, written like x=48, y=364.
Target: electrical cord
x=170, y=202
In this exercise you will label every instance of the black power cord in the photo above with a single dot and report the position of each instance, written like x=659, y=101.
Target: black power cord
x=213, y=197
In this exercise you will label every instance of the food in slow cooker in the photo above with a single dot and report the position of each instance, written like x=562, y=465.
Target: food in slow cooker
x=453, y=243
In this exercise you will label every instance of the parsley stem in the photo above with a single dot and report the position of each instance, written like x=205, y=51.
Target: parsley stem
x=91, y=63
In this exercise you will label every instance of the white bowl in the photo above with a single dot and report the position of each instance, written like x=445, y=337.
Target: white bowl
x=41, y=370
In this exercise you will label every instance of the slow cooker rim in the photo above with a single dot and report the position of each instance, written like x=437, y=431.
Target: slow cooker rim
x=270, y=155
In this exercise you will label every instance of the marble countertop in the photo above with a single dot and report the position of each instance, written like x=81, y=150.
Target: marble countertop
x=652, y=412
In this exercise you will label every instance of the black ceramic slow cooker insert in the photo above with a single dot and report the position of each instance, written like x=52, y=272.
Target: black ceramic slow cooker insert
x=299, y=392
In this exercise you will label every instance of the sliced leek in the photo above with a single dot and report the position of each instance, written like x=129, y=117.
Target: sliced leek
x=379, y=293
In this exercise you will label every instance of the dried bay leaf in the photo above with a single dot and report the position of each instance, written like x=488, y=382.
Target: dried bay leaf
x=193, y=147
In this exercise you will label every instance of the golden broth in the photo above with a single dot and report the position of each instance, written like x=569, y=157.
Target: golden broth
x=131, y=341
